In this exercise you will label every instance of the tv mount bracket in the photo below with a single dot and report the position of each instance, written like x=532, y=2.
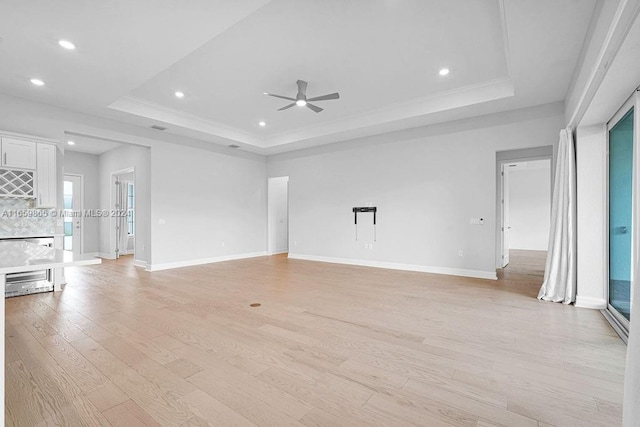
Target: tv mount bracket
x=365, y=209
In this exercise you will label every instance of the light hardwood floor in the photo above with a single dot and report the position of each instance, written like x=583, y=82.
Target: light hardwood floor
x=330, y=345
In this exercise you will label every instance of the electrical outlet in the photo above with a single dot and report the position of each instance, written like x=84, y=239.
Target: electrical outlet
x=222, y=244
x=162, y=221
x=460, y=252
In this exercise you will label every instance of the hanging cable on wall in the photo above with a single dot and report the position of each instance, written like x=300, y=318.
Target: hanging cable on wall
x=365, y=209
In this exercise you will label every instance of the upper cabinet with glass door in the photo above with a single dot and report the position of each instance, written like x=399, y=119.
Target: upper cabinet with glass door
x=28, y=169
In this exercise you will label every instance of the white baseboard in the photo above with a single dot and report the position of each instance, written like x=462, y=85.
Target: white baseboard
x=278, y=252
x=190, y=263
x=141, y=263
x=490, y=275
x=590, y=302
x=106, y=256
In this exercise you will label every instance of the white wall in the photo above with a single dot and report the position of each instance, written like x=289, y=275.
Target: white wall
x=205, y=206
x=200, y=188
x=600, y=26
x=591, y=221
x=427, y=184
x=117, y=160
x=278, y=214
x=87, y=165
x=530, y=208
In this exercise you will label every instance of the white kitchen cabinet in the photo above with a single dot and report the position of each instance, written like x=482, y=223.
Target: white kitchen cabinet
x=18, y=154
x=46, y=176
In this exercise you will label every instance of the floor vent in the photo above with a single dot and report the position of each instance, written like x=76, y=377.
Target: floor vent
x=234, y=146
x=157, y=127
x=255, y=304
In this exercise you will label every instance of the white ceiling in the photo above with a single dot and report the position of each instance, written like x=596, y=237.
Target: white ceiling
x=90, y=145
x=383, y=56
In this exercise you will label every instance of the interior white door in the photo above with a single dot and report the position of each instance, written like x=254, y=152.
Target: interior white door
x=505, y=215
x=278, y=215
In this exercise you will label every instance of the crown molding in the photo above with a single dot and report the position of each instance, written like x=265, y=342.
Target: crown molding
x=166, y=115
x=383, y=118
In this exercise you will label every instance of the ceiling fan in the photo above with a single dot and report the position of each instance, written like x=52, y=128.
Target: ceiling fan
x=301, y=98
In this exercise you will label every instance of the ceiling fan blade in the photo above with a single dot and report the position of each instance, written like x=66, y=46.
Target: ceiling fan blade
x=314, y=107
x=325, y=97
x=280, y=96
x=302, y=88
x=287, y=106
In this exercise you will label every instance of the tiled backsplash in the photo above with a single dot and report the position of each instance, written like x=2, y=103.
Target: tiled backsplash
x=14, y=219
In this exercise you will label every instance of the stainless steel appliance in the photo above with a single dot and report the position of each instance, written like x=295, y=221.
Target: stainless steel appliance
x=30, y=282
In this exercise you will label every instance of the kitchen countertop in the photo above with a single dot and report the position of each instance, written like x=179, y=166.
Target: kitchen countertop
x=31, y=236
x=16, y=257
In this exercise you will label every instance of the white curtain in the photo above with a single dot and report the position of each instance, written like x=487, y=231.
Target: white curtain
x=560, y=272
x=123, y=235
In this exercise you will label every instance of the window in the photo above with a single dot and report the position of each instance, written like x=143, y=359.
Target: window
x=130, y=211
x=621, y=169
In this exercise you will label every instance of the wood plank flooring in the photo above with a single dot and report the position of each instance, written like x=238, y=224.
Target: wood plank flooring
x=330, y=345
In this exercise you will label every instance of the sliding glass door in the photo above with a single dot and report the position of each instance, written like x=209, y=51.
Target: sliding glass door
x=621, y=166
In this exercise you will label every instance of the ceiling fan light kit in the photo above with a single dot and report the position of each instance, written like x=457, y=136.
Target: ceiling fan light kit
x=301, y=99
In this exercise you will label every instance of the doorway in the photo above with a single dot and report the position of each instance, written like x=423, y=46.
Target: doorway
x=523, y=209
x=278, y=215
x=73, y=213
x=124, y=202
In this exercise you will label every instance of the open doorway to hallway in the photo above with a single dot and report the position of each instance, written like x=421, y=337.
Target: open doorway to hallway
x=107, y=205
x=124, y=206
x=528, y=212
x=524, y=213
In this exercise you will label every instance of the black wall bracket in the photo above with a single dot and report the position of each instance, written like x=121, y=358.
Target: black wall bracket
x=365, y=209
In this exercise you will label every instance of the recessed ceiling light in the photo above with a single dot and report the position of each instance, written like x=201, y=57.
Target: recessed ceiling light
x=262, y=123
x=67, y=44
x=179, y=94
x=444, y=71
x=71, y=142
x=301, y=102
x=37, y=82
